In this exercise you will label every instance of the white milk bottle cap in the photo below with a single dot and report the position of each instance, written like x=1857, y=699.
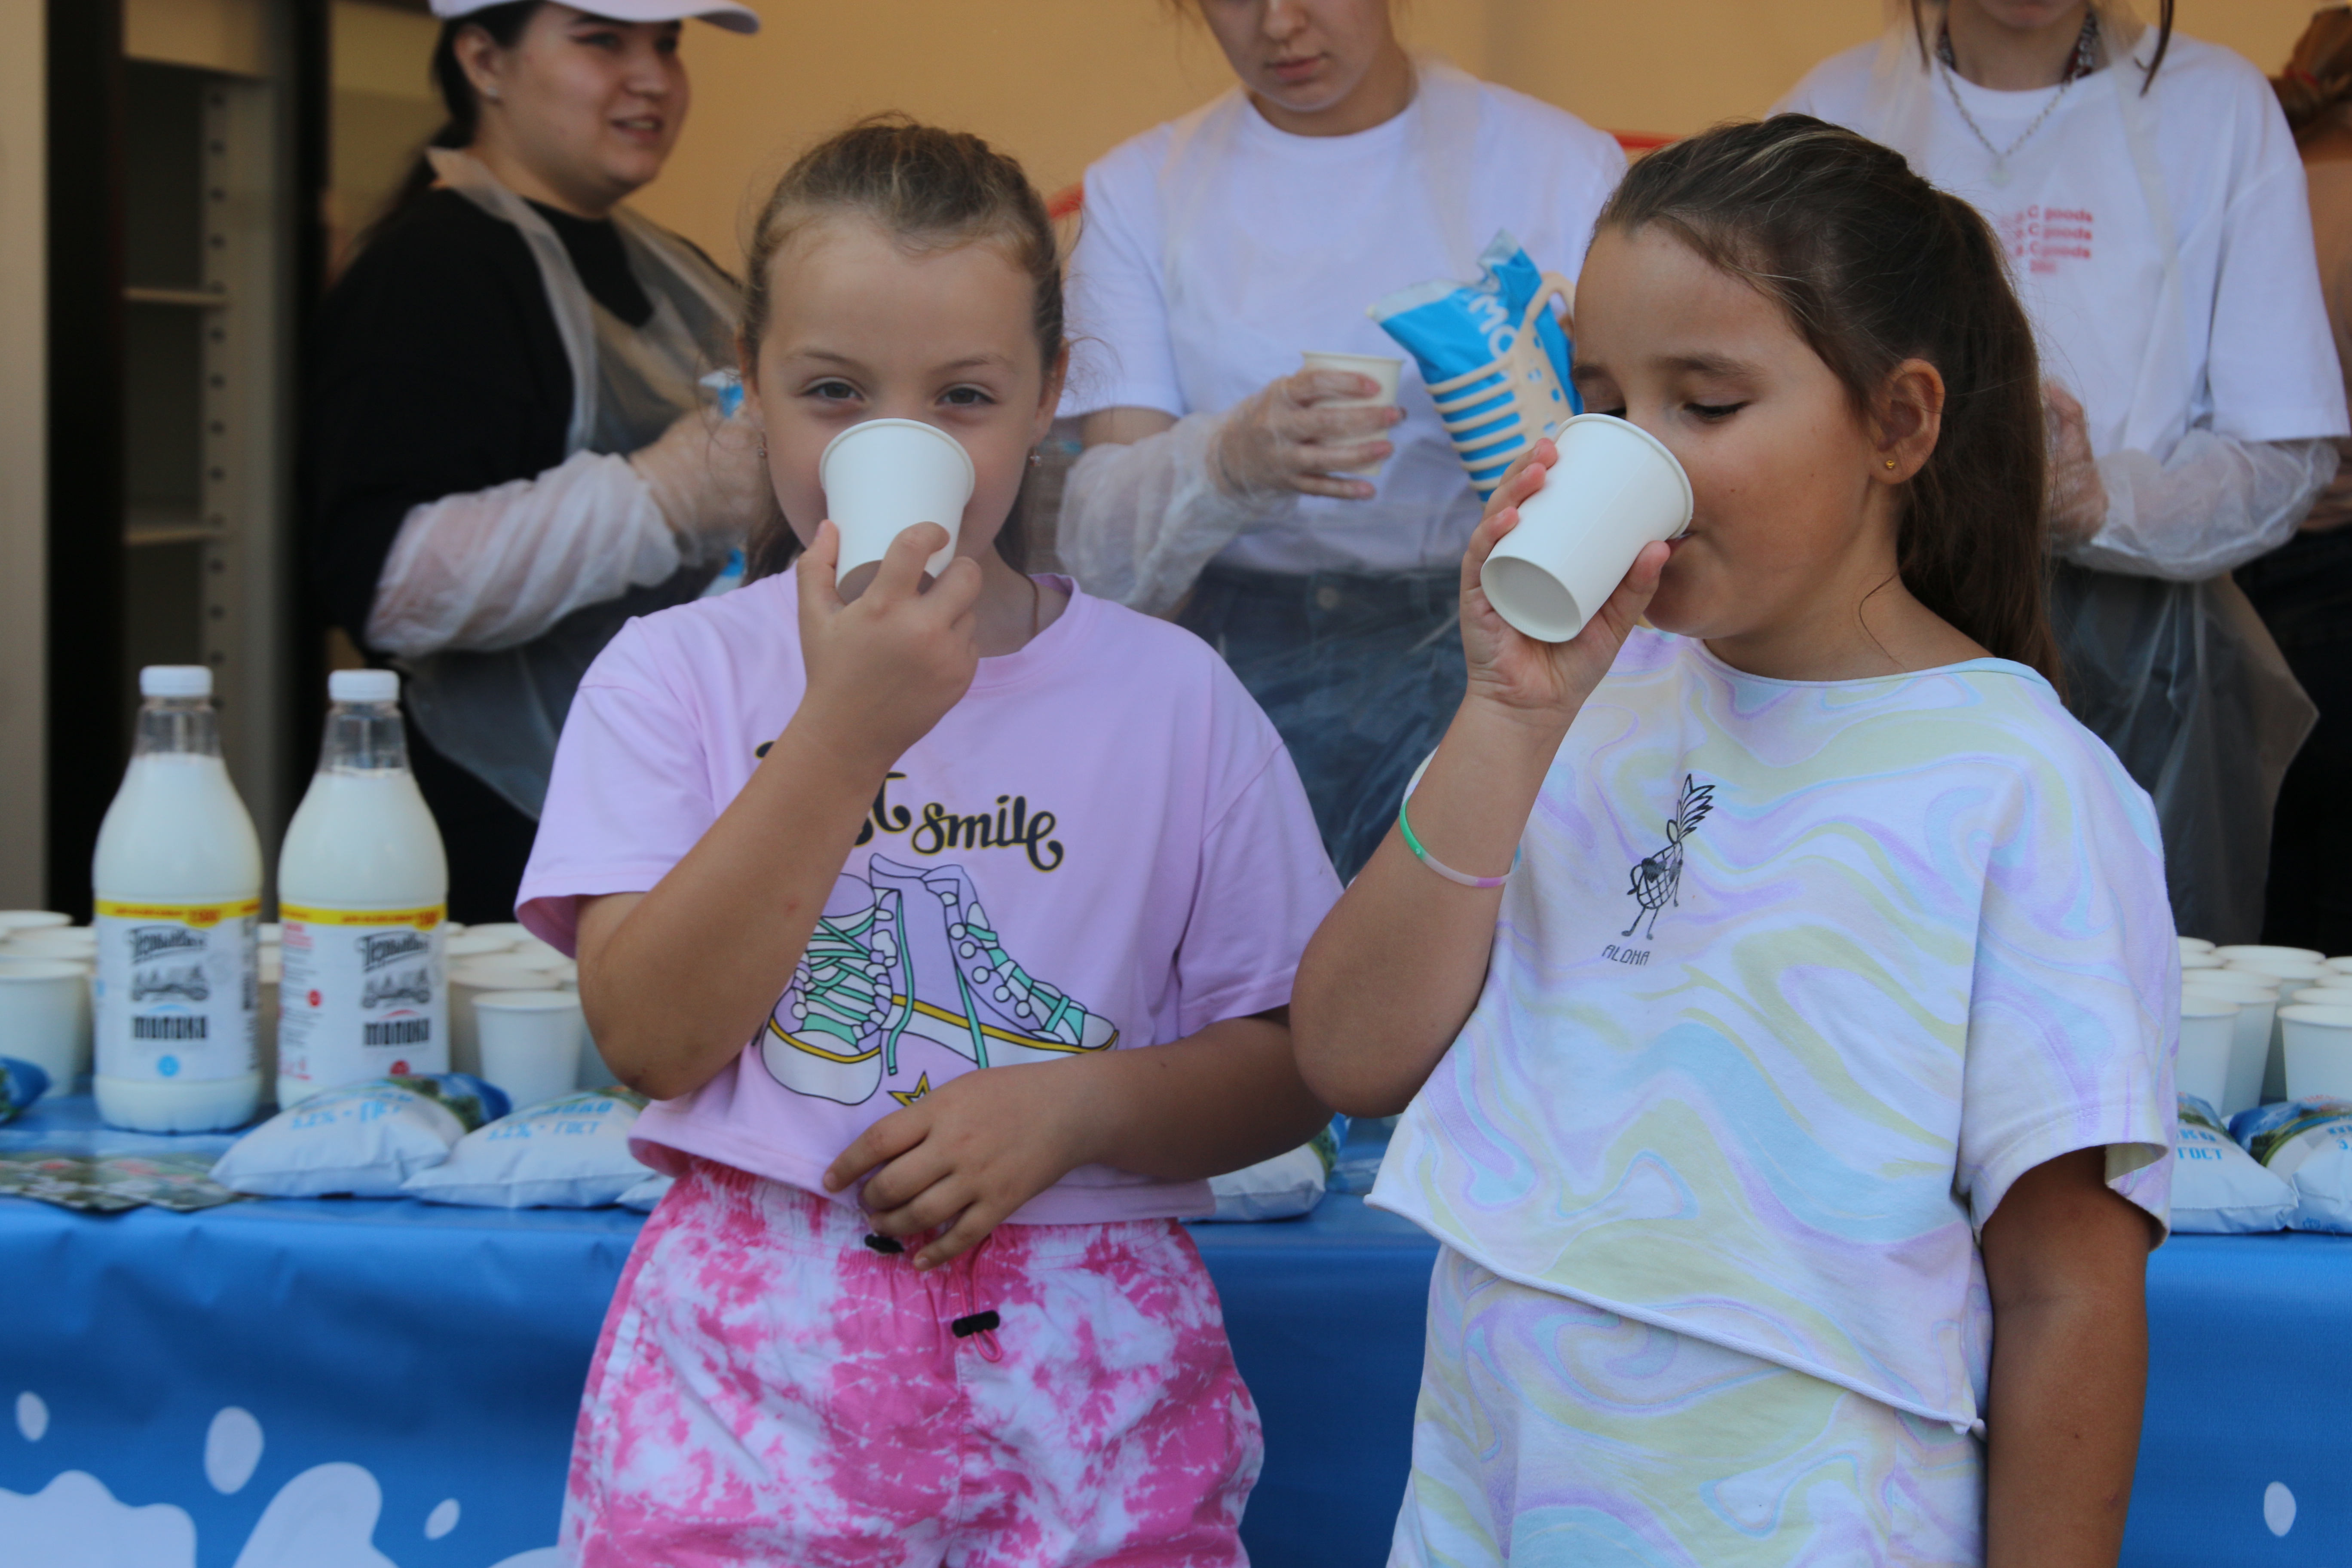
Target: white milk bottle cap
x=364, y=686
x=175, y=680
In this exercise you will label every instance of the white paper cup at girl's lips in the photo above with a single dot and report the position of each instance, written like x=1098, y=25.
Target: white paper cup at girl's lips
x=2209, y=1032
x=2318, y=1052
x=1614, y=490
x=45, y=1017
x=1380, y=368
x=531, y=1043
x=882, y=477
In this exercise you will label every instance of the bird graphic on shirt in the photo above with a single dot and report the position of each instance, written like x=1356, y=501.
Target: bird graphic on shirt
x=1657, y=879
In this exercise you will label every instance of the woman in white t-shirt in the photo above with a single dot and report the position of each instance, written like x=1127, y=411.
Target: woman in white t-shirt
x=2147, y=190
x=1218, y=247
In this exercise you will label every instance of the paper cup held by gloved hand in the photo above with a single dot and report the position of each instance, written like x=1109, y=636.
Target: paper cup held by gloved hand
x=2318, y=1042
x=884, y=476
x=1614, y=490
x=530, y=1042
x=2208, y=1035
x=1379, y=368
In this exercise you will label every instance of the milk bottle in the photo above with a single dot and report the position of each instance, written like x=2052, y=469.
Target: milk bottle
x=363, y=889
x=178, y=882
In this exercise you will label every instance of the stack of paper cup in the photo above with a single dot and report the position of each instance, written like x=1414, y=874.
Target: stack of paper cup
x=531, y=1043
x=472, y=980
x=2255, y=997
x=1379, y=368
x=2209, y=1031
x=2195, y=944
x=45, y=1017
x=13, y=921
x=473, y=944
x=884, y=476
x=2318, y=1051
x=507, y=932
x=1614, y=490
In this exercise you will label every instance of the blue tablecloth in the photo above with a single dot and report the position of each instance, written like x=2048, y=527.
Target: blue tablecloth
x=400, y=1381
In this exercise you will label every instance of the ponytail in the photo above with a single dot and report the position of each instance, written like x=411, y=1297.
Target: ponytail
x=1875, y=267
x=505, y=25
x=2318, y=77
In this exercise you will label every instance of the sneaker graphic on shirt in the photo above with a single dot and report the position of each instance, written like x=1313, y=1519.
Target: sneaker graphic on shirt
x=841, y=1014
x=966, y=992
x=911, y=951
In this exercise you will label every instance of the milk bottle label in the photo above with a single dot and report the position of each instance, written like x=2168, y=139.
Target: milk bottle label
x=360, y=995
x=176, y=989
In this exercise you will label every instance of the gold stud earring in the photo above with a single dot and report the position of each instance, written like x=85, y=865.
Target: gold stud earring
x=1890, y=462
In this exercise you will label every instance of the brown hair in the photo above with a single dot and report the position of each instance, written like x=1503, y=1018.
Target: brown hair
x=2318, y=75
x=929, y=190
x=2156, y=63
x=1874, y=265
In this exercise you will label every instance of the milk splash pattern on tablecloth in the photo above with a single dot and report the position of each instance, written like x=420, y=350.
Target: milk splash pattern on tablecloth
x=324, y=1518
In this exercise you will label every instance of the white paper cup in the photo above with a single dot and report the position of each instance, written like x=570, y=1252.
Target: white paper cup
x=31, y=919
x=531, y=1043
x=2302, y=969
x=2326, y=994
x=45, y=1017
x=2341, y=965
x=1378, y=367
x=472, y=979
x=1614, y=490
x=2258, y=949
x=2208, y=1033
x=2249, y=1046
x=884, y=476
x=2318, y=1052
x=2197, y=961
x=2195, y=944
x=511, y=932
x=474, y=944
x=75, y=943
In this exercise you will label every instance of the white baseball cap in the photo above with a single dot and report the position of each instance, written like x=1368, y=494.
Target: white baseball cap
x=734, y=18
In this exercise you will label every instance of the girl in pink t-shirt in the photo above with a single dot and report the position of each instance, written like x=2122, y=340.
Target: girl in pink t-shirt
x=825, y=854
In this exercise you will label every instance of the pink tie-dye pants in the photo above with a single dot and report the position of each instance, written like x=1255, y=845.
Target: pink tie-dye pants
x=770, y=1389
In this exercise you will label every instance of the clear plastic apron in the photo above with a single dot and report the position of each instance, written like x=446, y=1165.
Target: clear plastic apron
x=497, y=715
x=2180, y=679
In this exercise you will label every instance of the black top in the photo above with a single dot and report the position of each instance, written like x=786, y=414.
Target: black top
x=438, y=371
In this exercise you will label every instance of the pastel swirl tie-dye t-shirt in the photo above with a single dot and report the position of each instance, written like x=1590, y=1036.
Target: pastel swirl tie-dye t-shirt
x=1793, y=980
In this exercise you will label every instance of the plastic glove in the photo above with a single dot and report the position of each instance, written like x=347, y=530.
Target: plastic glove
x=1139, y=520
x=2077, y=500
x=709, y=477
x=2215, y=504
x=1281, y=439
x=496, y=568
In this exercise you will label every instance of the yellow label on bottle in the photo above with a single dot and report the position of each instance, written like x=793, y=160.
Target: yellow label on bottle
x=423, y=919
x=199, y=915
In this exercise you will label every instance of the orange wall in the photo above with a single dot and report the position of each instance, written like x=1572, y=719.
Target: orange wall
x=1059, y=82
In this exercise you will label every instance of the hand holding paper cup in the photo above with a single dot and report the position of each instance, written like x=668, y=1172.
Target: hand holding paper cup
x=1379, y=368
x=884, y=476
x=1614, y=490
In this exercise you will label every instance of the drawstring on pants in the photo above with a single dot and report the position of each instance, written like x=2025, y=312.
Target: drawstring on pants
x=976, y=1321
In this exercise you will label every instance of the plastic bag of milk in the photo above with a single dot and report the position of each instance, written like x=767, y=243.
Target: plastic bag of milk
x=569, y=1152
x=21, y=1083
x=2218, y=1189
x=2308, y=1142
x=362, y=1141
x=1495, y=392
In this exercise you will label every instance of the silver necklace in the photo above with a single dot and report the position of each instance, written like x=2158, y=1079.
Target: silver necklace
x=2081, y=63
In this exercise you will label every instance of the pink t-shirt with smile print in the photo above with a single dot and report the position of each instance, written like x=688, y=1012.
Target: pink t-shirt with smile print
x=1103, y=845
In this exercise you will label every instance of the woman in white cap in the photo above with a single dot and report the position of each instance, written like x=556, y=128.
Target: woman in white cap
x=1215, y=250
x=2148, y=189
x=507, y=455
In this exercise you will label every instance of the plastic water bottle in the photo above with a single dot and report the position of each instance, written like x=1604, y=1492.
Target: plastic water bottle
x=178, y=882
x=363, y=896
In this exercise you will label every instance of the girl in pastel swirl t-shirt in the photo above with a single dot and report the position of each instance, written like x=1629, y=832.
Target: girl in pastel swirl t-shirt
x=1785, y=996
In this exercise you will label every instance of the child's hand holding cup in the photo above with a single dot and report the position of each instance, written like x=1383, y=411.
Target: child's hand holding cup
x=882, y=477
x=1613, y=489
